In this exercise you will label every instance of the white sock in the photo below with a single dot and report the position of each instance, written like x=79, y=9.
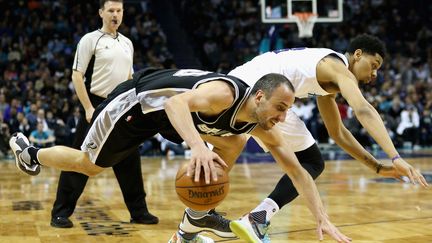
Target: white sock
x=269, y=207
x=196, y=214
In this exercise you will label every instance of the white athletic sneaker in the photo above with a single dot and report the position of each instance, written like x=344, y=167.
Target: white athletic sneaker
x=212, y=222
x=18, y=143
x=250, y=230
x=177, y=238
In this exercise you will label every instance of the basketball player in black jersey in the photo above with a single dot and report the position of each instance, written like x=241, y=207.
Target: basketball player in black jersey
x=182, y=105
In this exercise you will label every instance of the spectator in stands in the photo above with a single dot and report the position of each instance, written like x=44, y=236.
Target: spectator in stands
x=12, y=109
x=426, y=128
x=40, y=137
x=42, y=119
x=32, y=116
x=3, y=103
x=408, y=128
x=72, y=122
x=25, y=127
x=4, y=136
x=169, y=148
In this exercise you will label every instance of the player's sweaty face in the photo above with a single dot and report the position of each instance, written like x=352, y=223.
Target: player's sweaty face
x=365, y=69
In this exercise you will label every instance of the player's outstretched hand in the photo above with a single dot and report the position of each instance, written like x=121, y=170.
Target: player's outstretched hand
x=390, y=171
x=405, y=169
x=325, y=226
x=203, y=158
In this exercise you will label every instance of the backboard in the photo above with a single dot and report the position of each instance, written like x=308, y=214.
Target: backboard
x=283, y=11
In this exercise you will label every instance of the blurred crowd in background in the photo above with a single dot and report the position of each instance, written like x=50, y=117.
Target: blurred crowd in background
x=38, y=41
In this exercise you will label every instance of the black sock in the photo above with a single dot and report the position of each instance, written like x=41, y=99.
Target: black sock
x=32, y=151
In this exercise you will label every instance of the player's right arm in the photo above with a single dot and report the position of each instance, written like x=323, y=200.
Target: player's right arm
x=209, y=98
x=83, y=55
x=336, y=72
x=301, y=179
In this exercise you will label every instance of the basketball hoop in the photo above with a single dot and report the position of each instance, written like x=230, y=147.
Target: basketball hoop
x=305, y=23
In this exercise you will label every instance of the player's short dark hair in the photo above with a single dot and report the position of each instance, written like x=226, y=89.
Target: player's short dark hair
x=269, y=82
x=102, y=2
x=367, y=43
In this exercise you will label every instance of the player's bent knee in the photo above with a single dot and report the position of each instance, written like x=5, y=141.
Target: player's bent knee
x=87, y=167
x=92, y=170
x=318, y=168
x=321, y=166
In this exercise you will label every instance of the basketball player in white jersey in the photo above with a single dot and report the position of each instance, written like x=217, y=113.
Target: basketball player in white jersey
x=323, y=73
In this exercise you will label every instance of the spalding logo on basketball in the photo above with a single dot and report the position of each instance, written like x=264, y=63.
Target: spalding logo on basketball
x=198, y=195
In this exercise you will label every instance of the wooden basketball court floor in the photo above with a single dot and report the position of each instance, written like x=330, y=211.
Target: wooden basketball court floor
x=364, y=206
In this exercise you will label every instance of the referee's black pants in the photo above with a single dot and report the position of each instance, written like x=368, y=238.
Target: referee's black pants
x=127, y=172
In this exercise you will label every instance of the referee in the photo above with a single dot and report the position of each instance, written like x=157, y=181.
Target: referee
x=103, y=59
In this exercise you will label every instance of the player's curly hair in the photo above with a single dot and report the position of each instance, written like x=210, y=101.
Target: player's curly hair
x=269, y=82
x=367, y=43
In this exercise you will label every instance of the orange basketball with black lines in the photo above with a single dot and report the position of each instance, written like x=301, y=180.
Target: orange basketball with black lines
x=199, y=195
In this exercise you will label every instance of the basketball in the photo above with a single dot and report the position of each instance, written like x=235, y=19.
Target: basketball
x=199, y=195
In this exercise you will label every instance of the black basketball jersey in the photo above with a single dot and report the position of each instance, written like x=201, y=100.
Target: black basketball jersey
x=154, y=87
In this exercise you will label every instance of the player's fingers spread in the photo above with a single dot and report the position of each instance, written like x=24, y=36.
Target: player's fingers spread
x=189, y=171
x=335, y=235
x=424, y=182
x=190, y=168
x=220, y=161
x=320, y=233
x=411, y=176
x=343, y=237
x=197, y=170
x=213, y=171
x=206, y=172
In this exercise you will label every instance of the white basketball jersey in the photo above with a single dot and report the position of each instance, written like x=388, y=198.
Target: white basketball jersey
x=298, y=65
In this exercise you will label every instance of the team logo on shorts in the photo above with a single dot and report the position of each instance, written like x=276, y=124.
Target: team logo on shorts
x=91, y=145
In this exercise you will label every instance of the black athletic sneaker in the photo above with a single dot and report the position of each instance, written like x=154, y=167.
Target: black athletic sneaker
x=18, y=143
x=212, y=222
x=147, y=218
x=61, y=222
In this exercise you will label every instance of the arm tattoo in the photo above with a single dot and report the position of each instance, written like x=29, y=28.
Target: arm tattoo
x=371, y=163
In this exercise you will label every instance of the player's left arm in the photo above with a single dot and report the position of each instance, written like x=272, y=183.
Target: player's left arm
x=331, y=117
x=370, y=119
x=301, y=179
x=209, y=98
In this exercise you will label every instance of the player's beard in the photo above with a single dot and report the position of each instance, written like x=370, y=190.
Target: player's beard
x=264, y=124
